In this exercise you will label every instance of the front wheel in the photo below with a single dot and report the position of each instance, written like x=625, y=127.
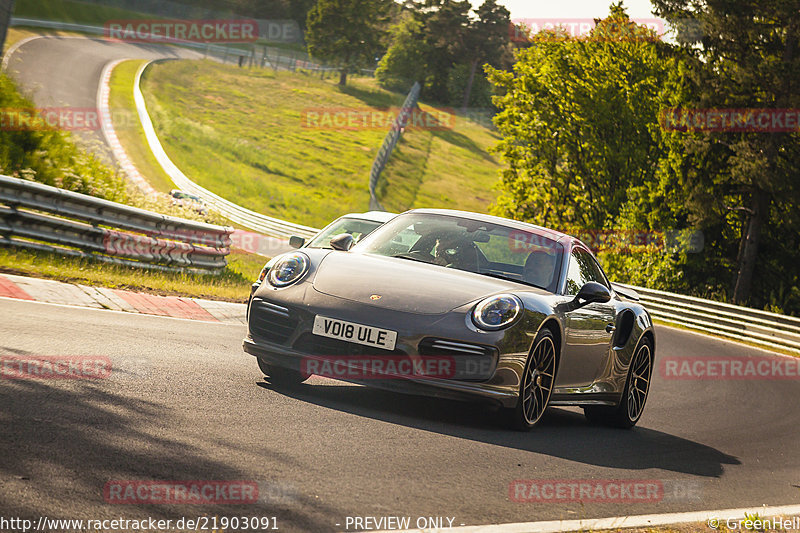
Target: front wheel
x=637, y=387
x=536, y=384
x=279, y=375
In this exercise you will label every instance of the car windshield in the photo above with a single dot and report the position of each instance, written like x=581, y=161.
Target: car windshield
x=356, y=227
x=475, y=246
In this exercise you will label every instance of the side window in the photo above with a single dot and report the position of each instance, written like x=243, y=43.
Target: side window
x=582, y=269
x=599, y=277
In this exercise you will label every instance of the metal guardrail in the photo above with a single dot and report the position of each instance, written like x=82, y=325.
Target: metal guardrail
x=269, y=55
x=389, y=142
x=87, y=226
x=762, y=328
x=270, y=226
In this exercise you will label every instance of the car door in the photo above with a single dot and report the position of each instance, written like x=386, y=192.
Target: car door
x=588, y=329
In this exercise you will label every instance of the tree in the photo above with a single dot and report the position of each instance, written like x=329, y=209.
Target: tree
x=437, y=41
x=746, y=56
x=446, y=27
x=487, y=41
x=346, y=33
x=578, y=119
x=404, y=61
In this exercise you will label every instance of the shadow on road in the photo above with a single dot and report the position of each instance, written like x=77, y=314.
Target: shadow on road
x=63, y=440
x=561, y=433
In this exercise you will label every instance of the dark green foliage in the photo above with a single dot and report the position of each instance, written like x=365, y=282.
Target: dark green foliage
x=444, y=44
x=49, y=156
x=347, y=33
x=585, y=149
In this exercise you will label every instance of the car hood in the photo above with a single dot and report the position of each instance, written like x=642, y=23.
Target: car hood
x=402, y=285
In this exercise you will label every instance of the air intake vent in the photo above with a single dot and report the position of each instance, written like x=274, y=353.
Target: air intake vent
x=473, y=362
x=432, y=346
x=272, y=322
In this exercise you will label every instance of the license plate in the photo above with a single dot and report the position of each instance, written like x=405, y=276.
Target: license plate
x=352, y=332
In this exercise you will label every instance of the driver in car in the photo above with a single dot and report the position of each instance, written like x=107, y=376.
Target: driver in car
x=540, y=268
x=451, y=251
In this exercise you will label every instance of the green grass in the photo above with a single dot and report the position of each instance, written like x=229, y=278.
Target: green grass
x=73, y=11
x=51, y=157
x=129, y=129
x=449, y=168
x=240, y=133
x=233, y=284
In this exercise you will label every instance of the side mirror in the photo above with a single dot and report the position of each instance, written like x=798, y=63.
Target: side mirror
x=342, y=242
x=296, y=242
x=592, y=292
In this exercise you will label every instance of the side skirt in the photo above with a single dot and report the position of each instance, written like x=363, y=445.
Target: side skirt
x=585, y=399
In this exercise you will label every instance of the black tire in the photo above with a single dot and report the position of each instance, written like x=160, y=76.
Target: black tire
x=536, y=385
x=280, y=376
x=634, y=396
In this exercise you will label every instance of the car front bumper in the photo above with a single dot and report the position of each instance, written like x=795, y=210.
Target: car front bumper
x=434, y=387
x=280, y=333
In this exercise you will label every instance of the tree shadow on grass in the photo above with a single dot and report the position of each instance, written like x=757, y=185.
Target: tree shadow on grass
x=441, y=123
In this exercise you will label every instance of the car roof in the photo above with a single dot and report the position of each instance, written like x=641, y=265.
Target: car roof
x=372, y=216
x=526, y=226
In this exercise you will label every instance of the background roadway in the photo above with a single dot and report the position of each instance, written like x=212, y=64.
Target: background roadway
x=65, y=71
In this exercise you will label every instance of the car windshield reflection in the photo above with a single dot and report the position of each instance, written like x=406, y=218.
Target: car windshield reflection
x=358, y=228
x=494, y=250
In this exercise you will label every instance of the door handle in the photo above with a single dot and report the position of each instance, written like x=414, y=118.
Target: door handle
x=610, y=328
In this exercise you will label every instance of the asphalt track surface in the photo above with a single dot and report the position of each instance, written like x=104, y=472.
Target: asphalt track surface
x=185, y=403
x=65, y=72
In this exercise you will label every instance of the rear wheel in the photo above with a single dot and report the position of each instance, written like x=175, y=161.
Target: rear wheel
x=630, y=408
x=279, y=375
x=536, y=384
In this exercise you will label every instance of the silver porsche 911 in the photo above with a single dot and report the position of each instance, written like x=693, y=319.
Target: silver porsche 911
x=461, y=305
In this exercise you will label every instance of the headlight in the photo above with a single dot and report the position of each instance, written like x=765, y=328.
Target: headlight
x=287, y=269
x=266, y=268
x=497, y=312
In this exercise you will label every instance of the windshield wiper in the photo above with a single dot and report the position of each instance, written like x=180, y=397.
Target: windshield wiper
x=500, y=276
x=410, y=258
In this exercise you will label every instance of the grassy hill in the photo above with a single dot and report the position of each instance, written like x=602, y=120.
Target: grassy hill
x=72, y=11
x=246, y=135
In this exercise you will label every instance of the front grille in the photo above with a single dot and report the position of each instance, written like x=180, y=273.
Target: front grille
x=272, y=322
x=433, y=346
x=316, y=345
x=473, y=362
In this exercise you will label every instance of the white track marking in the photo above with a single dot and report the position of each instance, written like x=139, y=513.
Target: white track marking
x=618, y=522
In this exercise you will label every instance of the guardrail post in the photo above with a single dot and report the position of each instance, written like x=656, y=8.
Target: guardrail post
x=389, y=142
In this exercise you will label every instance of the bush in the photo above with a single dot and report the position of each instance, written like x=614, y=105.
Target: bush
x=50, y=156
